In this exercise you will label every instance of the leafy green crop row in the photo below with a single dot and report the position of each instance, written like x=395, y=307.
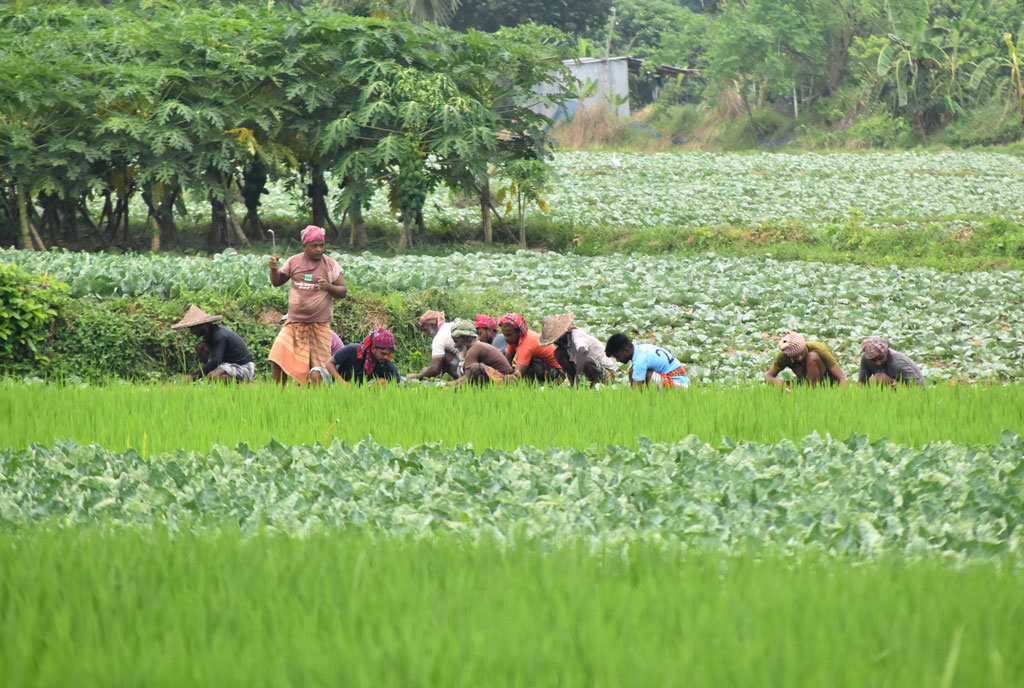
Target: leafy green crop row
x=721, y=316
x=815, y=495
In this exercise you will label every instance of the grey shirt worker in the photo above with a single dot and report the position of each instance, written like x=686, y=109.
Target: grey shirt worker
x=897, y=366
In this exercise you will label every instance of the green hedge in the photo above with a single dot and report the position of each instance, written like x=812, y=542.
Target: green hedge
x=130, y=338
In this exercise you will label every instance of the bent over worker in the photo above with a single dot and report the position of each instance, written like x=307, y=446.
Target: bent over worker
x=223, y=354
x=881, y=365
x=813, y=363
x=368, y=361
x=530, y=360
x=444, y=357
x=304, y=341
x=650, y=363
x=483, y=363
x=580, y=354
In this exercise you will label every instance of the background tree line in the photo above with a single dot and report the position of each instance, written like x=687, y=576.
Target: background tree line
x=103, y=102
x=913, y=65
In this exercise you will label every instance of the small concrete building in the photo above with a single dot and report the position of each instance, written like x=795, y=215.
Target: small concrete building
x=614, y=76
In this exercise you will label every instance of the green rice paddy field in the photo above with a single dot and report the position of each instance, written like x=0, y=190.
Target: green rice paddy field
x=182, y=535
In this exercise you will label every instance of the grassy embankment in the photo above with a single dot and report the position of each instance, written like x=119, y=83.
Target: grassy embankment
x=81, y=608
x=157, y=419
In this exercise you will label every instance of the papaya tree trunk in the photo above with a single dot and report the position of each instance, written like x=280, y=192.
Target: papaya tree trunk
x=404, y=242
x=317, y=189
x=22, y=202
x=485, y=210
x=357, y=236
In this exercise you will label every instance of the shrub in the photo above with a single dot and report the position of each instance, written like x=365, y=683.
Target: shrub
x=876, y=130
x=29, y=304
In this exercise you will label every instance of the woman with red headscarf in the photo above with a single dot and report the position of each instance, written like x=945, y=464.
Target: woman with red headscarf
x=316, y=280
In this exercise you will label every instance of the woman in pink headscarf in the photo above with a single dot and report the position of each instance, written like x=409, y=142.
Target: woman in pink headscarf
x=316, y=280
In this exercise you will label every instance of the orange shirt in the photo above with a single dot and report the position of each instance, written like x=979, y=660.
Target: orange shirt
x=528, y=347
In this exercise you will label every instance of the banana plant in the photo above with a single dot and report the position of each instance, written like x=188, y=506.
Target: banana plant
x=1005, y=72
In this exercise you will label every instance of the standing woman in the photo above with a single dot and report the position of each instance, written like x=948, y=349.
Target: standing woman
x=316, y=280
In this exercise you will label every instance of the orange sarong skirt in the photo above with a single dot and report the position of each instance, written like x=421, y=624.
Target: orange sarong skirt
x=300, y=346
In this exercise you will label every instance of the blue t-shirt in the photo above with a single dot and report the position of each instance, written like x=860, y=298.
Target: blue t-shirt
x=649, y=357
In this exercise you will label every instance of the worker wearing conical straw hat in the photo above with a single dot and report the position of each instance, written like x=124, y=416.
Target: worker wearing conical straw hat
x=316, y=279
x=579, y=353
x=223, y=354
x=812, y=362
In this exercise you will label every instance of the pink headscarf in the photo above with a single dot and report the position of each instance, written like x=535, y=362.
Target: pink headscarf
x=312, y=233
x=485, y=321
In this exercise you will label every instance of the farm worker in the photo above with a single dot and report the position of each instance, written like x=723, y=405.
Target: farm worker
x=812, y=362
x=530, y=360
x=487, y=331
x=224, y=355
x=444, y=358
x=482, y=362
x=649, y=363
x=369, y=361
x=316, y=280
x=576, y=351
x=881, y=365
x=336, y=341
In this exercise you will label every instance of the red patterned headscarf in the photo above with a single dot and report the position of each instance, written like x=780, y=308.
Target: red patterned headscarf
x=379, y=339
x=873, y=347
x=515, y=320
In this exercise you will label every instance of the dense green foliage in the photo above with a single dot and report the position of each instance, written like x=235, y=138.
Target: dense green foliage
x=86, y=609
x=29, y=304
x=922, y=63
x=102, y=104
x=817, y=495
x=152, y=419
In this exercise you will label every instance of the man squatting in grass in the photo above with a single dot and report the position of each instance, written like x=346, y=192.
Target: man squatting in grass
x=649, y=362
x=530, y=360
x=316, y=280
x=224, y=355
x=482, y=362
x=579, y=354
x=881, y=365
x=444, y=358
x=811, y=362
x=487, y=331
x=369, y=361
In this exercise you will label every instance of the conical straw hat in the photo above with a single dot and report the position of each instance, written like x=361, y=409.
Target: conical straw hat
x=554, y=326
x=195, y=316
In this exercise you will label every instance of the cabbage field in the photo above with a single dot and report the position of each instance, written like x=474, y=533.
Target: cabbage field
x=709, y=189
